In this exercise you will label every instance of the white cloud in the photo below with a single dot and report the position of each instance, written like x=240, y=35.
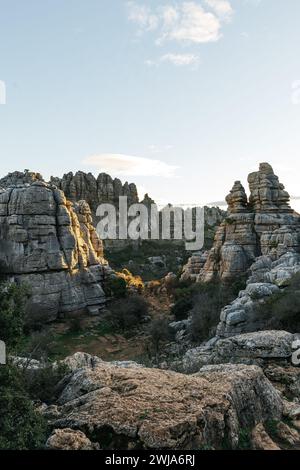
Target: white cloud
x=142, y=15
x=193, y=25
x=128, y=165
x=179, y=60
x=187, y=23
x=222, y=8
x=170, y=14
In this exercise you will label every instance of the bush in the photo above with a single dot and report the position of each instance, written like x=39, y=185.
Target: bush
x=208, y=301
x=134, y=282
x=34, y=322
x=13, y=298
x=21, y=427
x=159, y=332
x=282, y=311
x=181, y=308
x=44, y=384
x=116, y=287
x=75, y=325
x=129, y=312
x=40, y=345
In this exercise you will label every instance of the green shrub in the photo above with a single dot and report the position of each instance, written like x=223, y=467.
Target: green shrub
x=181, y=308
x=208, y=301
x=159, y=333
x=75, y=325
x=44, y=384
x=128, y=313
x=282, y=311
x=244, y=439
x=116, y=287
x=21, y=427
x=39, y=345
x=13, y=298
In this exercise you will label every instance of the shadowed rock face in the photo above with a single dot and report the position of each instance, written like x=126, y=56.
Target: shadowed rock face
x=49, y=245
x=263, y=225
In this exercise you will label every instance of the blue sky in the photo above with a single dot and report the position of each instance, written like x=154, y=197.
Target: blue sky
x=181, y=97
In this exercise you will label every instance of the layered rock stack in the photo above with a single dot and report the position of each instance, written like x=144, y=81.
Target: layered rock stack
x=264, y=224
x=47, y=244
x=194, y=265
x=95, y=191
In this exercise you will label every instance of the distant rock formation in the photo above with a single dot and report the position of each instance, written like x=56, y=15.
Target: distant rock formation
x=194, y=266
x=95, y=191
x=263, y=225
x=51, y=245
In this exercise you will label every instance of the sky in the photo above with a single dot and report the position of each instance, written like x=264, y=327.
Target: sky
x=180, y=97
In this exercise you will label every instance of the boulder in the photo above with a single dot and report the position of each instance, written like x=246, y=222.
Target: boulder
x=69, y=439
x=267, y=279
x=258, y=348
x=133, y=408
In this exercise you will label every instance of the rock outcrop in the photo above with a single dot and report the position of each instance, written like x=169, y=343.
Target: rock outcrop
x=194, y=266
x=258, y=348
x=134, y=408
x=68, y=439
x=263, y=225
x=95, y=191
x=51, y=246
x=267, y=278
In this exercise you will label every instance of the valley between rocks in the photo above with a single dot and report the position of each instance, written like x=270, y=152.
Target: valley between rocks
x=126, y=348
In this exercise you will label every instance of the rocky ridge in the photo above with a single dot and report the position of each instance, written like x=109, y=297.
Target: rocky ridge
x=95, y=191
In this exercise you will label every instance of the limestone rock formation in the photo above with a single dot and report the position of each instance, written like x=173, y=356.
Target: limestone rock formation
x=237, y=199
x=132, y=408
x=69, y=439
x=194, y=266
x=267, y=278
x=19, y=178
x=261, y=440
x=257, y=348
x=263, y=225
x=95, y=191
x=267, y=193
x=213, y=217
x=46, y=243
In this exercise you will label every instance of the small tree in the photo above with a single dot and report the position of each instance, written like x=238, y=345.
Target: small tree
x=128, y=313
x=13, y=298
x=160, y=333
x=21, y=427
x=282, y=311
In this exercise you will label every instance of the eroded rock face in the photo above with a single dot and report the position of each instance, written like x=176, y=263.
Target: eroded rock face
x=267, y=193
x=68, y=439
x=95, y=191
x=130, y=408
x=264, y=225
x=261, y=440
x=258, y=348
x=267, y=278
x=194, y=265
x=46, y=243
x=237, y=199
